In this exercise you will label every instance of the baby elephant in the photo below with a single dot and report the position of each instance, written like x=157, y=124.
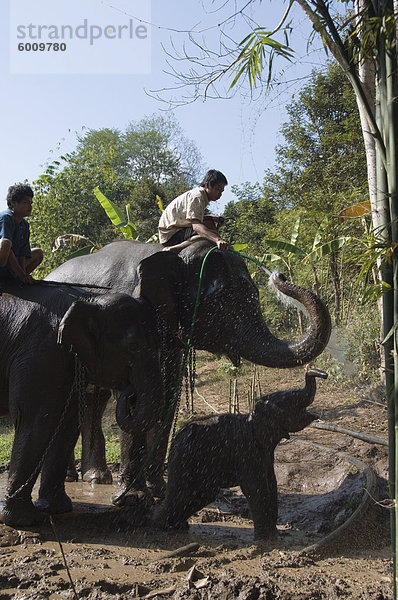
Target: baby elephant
x=226, y=450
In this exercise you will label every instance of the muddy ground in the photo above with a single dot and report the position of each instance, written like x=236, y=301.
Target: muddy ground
x=333, y=520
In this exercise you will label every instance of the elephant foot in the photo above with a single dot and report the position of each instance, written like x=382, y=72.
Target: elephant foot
x=162, y=519
x=139, y=494
x=21, y=512
x=98, y=476
x=267, y=537
x=54, y=504
x=157, y=488
x=72, y=475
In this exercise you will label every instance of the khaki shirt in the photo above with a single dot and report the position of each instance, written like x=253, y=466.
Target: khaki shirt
x=180, y=213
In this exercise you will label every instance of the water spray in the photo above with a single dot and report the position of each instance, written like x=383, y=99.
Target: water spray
x=287, y=301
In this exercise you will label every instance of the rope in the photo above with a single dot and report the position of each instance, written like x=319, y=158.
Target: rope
x=119, y=500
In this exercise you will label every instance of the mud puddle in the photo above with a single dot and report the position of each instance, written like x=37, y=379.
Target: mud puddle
x=113, y=553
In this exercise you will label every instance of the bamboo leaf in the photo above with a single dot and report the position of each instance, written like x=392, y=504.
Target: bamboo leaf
x=253, y=53
x=390, y=333
x=239, y=247
x=318, y=235
x=159, y=202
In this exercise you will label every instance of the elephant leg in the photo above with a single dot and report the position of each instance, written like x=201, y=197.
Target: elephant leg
x=155, y=469
x=262, y=496
x=93, y=466
x=71, y=473
x=133, y=452
x=135, y=449
x=35, y=408
x=181, y=502
x=18, y=509
x=30, y=444
x=154, y=472
x=52, y=496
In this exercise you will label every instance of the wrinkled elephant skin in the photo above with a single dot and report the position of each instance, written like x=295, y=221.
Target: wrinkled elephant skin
x=227, y=450
x=229, y=320
x=113, y=336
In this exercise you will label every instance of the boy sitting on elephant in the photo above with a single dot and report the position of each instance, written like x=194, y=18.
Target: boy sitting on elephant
x=17, y=259
x=183, y=221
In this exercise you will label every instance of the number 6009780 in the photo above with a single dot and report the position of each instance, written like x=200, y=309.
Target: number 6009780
x=42, y=47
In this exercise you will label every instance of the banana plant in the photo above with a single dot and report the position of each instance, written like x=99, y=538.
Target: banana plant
x=115, y=214
x=73, y=240
x=290, y=250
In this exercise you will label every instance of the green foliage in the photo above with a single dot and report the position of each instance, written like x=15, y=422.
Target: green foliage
x=247, y=220
x=256, y=50
x=356, y=355
x=123, y=223
x=152, y=157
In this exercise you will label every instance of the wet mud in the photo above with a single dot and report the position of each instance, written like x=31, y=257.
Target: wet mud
x=333, y=532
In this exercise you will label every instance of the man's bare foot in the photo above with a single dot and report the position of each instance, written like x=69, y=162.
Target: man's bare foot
x=174, y=249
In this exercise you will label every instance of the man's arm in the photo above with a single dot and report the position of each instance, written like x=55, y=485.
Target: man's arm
x=213, y=236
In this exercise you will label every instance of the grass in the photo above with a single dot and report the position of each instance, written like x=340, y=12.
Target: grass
x=112, y=448
x=6, y=440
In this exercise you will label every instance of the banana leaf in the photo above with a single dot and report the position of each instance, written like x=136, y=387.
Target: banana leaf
x=81, y=252
x=286, y=246
x=114, y=212
x=326, y=249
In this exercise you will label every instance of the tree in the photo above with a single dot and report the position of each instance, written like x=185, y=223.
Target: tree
x=321, y=164
x=248, y=219
x=152, y=157
x=157, y=149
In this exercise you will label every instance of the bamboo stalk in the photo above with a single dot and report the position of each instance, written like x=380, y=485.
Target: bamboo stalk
x=391, y=141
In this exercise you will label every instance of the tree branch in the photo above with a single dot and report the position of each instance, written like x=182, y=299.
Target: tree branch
x=335, y=44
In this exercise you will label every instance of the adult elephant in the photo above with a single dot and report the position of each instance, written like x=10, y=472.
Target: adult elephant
x=229, y=322
x=113, y=336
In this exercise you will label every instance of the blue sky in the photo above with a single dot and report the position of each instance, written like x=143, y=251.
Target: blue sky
x=41, y=113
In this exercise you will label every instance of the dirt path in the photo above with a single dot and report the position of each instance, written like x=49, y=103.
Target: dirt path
x=111, y=554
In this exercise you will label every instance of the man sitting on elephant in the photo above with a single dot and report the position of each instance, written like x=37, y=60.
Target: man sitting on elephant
x=182, y=222
x=17, y=259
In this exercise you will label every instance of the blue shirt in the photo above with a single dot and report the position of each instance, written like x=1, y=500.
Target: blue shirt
x=18, y=234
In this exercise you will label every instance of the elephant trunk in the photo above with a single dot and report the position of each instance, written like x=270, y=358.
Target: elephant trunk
x=310, y=386
x=139, y=410
x=257, y=344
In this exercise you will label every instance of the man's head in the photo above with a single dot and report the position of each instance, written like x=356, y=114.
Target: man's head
x=214, y=183
x=19, y=199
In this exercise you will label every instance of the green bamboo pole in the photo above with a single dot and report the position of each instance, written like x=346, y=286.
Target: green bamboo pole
x=391, y=143
x=386, y=185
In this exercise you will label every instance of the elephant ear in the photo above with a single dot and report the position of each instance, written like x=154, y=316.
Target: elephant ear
x=159, y=282
x=79, y=331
